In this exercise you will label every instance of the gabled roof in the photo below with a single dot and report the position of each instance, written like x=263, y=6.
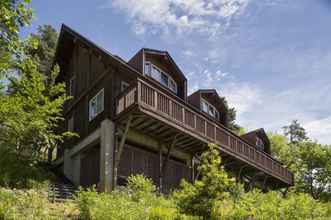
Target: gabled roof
x=166, y=54
x=210, y=91
x=261, y=133
x=68, y=36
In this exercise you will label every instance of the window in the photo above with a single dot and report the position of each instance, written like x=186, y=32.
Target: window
x=259, y=143
x=71, y=124
x=164, y=79
x=156, y=74
x=173, y=85
x=160, y=76
x=96, y=105
x=124, y=85
x=147, y=68
x=72, y=86
x=209, y=109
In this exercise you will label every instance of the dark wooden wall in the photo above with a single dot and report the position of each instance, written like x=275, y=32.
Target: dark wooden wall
x=135, y=160
x=91, y=74
x=195, y=100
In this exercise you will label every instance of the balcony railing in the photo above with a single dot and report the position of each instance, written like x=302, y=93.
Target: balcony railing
x=176, y=111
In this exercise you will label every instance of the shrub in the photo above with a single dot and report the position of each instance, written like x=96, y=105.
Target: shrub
x=215, y=184
x=32, y=205
x=137, y=201
x=21, y=174
x=271, y=205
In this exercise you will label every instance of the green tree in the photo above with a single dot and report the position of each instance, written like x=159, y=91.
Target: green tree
x=14, y=14
x=43, y=54
x=231, y=114
x=295, y=132
x=200, y=197
x=32, y=108
x=313, y=166
x=310, y=163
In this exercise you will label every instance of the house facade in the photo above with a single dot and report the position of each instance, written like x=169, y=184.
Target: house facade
x=135, y=117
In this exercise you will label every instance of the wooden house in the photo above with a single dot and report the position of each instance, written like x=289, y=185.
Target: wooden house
x=135, y=117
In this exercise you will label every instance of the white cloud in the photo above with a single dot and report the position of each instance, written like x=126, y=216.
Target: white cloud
x=320, y=130
x=189, y=53
x=243, y=96
x=182, y=15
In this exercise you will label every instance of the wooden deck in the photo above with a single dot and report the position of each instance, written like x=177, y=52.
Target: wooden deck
x=176, y=113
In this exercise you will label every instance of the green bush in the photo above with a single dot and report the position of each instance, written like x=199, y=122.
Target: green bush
x=32, y=205
x=21, y=174
x=135, y=202
x=200, y=197
x=271, y=205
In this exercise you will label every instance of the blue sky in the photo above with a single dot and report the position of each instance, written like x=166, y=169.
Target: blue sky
x=270, y=58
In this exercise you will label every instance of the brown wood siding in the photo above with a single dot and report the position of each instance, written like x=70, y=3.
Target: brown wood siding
x=137, y=61
x=194, y=99
x=136, y=160
x=87, y=67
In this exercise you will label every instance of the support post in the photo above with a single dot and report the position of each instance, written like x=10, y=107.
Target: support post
x=160, y=166
x=239, y=173
x=119, y=150
x=107, y=147
x=165, y=162
x=264, y=183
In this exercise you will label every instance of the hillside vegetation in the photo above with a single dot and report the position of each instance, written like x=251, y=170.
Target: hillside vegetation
x=31, y=109
x=216, y=196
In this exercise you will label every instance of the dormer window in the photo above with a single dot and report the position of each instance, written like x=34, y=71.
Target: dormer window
x=161, y=76
x=209, y=109
x=259, y=143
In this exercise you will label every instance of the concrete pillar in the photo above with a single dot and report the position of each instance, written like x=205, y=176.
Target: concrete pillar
x=76, y=169
x=67, y=164
x=107, y=148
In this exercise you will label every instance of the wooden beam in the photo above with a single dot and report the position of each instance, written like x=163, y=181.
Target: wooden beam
x=239, y=173
x=165, y=162
x=121, y=146
x=160, y=167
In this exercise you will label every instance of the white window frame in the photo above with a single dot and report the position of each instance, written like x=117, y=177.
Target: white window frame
x=159, y=79
x=93, y=115
x=217, y=114
x=124, y=85
x=72, y=86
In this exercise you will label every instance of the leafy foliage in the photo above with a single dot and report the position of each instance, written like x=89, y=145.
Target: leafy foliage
x=295, y=132
x=31, y=108
x=32, y=205
x=309, y=161
x=14, y=14
x=43, y=54
x=136, y=201
x=215, y=184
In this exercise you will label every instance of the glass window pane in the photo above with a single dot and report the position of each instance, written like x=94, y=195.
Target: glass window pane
x=147, y=69
x=173, y=85
x=156, y=74
x=204, y=106
x=164, y=79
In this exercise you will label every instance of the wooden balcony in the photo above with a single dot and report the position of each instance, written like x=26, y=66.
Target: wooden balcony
x=165, y=107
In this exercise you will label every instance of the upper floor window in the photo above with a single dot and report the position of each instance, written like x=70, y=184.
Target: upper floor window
x=209, y=109
x=96, y=105
x=72, y=86
x=259, y=143
x=161, y=76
